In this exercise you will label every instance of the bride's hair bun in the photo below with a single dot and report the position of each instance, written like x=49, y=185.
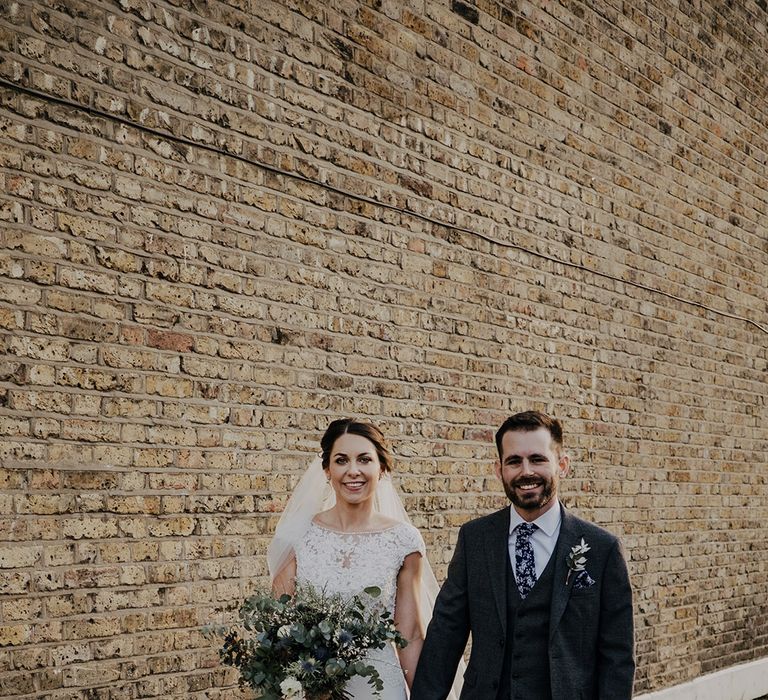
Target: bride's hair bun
x=365, y=429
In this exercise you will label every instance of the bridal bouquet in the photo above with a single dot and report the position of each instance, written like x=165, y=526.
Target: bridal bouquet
x=307, y=646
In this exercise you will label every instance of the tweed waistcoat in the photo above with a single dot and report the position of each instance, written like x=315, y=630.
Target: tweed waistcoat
x=525, y=674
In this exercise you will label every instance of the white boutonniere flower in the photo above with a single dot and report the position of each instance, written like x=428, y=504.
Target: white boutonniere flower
x=577, y=560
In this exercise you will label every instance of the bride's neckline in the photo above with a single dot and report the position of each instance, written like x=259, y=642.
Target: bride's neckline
x=322, y=526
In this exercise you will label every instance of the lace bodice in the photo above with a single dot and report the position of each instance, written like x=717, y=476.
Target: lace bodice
x=347, y=563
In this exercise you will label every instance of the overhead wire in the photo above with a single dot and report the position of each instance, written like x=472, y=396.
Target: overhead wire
x=510, y=245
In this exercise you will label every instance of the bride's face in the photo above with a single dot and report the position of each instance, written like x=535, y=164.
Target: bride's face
x=354, y=468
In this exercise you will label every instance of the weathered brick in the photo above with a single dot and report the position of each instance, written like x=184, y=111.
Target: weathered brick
x=79, y=226
x=92, y=528
x=87, y=280
x=29, y=659
x=20, y=556
x=15, y=635
x=170, y=341
x=14, y=582
x=71, y=653
x=21, y=609
x=36, y=244
x=18, y=684
x=43, y=504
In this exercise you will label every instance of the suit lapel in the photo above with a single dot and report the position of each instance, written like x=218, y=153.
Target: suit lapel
x=561, y=592
x=497, y=561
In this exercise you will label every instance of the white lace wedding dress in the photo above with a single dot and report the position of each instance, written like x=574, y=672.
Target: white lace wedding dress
x=347, y=563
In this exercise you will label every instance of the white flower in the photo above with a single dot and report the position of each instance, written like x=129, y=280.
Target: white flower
x=576, y=560
x=284, y=632
x=291, y=688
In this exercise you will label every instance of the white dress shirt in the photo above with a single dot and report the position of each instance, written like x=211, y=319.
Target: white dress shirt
x=543, y=540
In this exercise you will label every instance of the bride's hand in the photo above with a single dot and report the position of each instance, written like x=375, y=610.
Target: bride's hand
x=407, y=617
x=285, y=579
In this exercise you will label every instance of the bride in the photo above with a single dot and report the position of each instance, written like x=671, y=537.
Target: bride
x=353, y=535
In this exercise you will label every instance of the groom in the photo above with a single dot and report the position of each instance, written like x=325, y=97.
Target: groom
x=545, y=594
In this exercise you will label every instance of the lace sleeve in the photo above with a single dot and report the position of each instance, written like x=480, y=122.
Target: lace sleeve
x=410, y=540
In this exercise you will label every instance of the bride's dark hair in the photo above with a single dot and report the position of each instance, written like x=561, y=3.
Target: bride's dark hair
x=369, y=431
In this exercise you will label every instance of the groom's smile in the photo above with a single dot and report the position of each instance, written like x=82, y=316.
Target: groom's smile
x=530, y=470
x=531, y=494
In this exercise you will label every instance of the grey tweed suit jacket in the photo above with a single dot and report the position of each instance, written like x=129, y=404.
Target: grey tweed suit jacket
x=591, y=638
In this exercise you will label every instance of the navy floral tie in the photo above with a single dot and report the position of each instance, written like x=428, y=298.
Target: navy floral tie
x=525, y=566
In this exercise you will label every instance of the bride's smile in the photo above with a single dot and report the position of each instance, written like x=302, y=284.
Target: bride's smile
x=354, y=469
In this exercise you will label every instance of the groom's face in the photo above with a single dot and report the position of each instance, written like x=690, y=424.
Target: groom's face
x=530, y=469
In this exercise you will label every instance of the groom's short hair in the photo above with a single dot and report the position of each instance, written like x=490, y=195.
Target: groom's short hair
x=531, y=420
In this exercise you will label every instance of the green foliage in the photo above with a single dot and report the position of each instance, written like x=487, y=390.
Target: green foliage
x=307, y=645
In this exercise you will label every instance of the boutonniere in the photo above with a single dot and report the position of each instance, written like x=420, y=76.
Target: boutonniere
x=577, y=559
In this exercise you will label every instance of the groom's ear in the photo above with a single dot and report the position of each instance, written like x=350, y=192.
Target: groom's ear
x=497, y=468
x=564, y=463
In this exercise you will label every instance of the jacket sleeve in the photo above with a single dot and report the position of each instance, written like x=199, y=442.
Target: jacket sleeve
x=615, y=643
x=447, y=633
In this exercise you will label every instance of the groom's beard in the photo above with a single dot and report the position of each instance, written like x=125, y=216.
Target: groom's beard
x=530, y=501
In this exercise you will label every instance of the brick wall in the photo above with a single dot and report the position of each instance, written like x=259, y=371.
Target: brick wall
x=224, y=224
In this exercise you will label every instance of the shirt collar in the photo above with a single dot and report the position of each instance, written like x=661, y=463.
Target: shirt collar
x=548, y=522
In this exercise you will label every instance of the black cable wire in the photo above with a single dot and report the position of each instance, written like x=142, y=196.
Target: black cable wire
x=361, y=198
